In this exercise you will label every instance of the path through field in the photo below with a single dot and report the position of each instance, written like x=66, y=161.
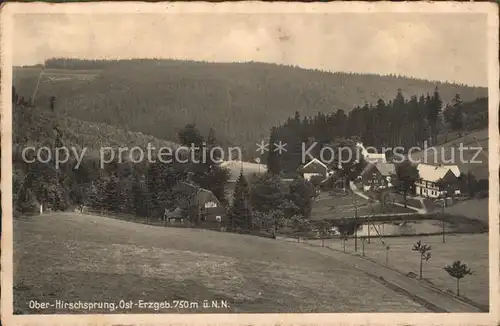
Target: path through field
x=81, y=257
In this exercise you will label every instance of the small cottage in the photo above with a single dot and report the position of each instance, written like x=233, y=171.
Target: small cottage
x=376, y=176
x=315, y=168
x=196, y=205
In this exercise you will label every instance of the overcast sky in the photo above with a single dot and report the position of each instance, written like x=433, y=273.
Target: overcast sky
x=446, y=47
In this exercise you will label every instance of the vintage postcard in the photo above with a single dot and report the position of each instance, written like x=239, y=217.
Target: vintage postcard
x=250, y=163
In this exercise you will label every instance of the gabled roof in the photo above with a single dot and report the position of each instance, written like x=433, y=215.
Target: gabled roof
x=385, y=169
x=315, y=160
x=202, y=194
x=454, y=168
x=176, y=213
x=367, y=168
x=375, y=158
x=434, y=172
x=314, y=166
x=371, y=157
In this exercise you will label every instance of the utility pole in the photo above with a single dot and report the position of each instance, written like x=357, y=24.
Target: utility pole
x=355, y=228
x=442, y=210
x=355, y=223
x=363, y=244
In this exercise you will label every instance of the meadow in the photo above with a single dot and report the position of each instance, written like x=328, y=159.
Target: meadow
x=71, y=256
x=474, y=208
x=469, y=248
x=328, y=206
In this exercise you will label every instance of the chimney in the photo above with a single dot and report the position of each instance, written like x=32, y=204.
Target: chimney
x=189, y=177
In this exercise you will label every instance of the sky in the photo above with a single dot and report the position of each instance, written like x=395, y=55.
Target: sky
x=445, y=47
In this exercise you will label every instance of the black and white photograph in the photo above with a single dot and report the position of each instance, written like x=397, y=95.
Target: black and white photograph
x=196, y=159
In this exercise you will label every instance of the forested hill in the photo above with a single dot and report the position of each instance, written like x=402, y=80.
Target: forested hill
x=241, y=101
x=38, y=128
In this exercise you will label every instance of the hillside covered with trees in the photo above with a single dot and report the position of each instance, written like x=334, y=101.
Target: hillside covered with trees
x=143, y=189
x=399, y=123
x=241, y=101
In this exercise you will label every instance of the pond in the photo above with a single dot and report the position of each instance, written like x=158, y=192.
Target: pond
x=405, y=228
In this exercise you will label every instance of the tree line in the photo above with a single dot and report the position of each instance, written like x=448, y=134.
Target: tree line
x=400, y=122
x=239, y=100
x=143, y=189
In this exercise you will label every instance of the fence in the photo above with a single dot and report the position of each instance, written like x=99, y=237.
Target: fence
x=150, y=221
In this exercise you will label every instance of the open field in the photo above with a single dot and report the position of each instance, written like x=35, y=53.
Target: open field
x=100, y=259
x=474, y=208
x=336, y=206
x=26, y=78
x=249, y=168
x=471, y=249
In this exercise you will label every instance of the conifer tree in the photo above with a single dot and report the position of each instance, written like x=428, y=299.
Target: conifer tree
x=141, y=200
x=112, y=194
x=273, y=158
x=239, y=213
x=457, y=121
x=301, y=194
x=266, y=193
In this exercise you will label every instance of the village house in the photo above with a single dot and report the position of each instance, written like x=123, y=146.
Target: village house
x=196, y=205
x=371, y=157
x=315, y=168
x=437, y=180
x=377, y=176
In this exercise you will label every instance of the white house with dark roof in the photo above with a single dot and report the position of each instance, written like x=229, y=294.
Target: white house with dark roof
x=429, y=177
x=315, y=168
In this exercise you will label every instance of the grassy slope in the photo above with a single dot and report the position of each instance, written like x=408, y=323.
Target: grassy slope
x=450, y=150
x=471, y=249
x=474, y=208
x=336, y=206
x=93, y=258
x=240, y=100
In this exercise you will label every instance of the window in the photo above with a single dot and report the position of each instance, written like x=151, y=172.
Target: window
x=218, y=218
x=210, y=204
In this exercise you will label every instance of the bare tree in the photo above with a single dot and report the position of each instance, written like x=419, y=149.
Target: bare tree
x=458, y=270
x=425, y=253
